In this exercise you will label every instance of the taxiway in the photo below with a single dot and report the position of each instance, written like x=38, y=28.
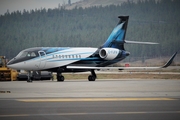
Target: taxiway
x=81, y=99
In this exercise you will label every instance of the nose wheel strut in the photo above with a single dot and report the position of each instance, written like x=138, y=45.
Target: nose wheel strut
x=29, y=76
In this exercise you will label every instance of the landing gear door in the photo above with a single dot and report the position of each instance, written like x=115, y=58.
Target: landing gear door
x=42, y=62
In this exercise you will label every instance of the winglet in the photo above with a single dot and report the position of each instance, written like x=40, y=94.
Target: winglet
x=170, y=61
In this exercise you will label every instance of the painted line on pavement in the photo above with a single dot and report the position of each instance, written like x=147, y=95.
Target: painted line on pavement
x=92, y=99
x=92, y=113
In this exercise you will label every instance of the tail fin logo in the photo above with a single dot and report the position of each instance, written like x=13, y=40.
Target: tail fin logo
x=117, y=36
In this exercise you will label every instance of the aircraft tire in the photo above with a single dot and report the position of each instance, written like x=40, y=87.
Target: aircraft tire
x=91, y=78
x=60, y=78
x=29, y=81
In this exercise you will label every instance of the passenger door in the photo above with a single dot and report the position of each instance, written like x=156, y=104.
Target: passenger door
x=42, y=62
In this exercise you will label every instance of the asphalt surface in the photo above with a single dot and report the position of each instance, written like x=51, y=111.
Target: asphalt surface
x=84, y=100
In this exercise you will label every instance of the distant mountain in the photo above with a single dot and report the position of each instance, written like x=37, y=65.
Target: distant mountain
x=90, y=3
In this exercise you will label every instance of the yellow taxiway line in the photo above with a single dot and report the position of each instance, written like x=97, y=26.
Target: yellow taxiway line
x=92, y=99
x=93, y=113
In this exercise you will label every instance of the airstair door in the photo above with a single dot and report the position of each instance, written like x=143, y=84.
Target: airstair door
x=42, y=62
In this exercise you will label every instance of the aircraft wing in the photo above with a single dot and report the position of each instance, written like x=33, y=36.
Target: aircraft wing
x=124, y=68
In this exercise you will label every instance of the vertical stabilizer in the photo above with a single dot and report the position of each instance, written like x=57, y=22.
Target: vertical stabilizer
x=116, y=38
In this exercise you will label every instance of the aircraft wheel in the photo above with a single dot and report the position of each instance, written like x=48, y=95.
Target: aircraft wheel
x=91, y=78
x=60, y=78
x=29, y=81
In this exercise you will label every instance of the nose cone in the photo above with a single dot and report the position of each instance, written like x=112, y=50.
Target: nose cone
x=11, y=63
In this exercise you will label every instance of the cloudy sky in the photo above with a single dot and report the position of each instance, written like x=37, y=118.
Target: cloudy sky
x=14, y=5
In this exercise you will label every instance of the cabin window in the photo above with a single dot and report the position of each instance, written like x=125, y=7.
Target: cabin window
x=33, y=54
x=22, y=54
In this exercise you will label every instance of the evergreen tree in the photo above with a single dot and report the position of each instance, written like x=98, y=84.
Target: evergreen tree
x=150, y=20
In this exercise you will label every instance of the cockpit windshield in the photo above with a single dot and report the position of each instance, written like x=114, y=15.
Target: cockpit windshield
x=23, y=54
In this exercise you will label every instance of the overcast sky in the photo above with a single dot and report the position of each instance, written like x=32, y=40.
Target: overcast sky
x=14, y=5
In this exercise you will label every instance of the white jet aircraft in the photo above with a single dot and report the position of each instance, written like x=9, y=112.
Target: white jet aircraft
x=79, y=59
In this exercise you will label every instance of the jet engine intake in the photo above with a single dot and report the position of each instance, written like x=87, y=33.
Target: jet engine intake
x=109, y=53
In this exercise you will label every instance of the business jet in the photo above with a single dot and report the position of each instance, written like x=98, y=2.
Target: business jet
x=80, y=59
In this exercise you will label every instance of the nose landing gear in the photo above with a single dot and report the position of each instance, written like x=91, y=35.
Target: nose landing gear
x=29, y=77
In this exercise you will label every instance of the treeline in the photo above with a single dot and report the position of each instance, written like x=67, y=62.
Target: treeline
x=149, y=21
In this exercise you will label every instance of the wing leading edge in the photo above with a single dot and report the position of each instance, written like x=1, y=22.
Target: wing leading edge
x=124, y=68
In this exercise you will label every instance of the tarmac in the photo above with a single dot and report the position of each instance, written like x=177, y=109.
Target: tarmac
x=136, y=99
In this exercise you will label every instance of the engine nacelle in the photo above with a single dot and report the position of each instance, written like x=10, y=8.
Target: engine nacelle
x=109, y=53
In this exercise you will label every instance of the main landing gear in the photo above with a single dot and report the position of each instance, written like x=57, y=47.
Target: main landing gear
x=93, y=76
x=60, y=77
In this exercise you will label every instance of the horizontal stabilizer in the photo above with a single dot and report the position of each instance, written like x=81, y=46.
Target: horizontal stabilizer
x=124, y=68
x=137, y=42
